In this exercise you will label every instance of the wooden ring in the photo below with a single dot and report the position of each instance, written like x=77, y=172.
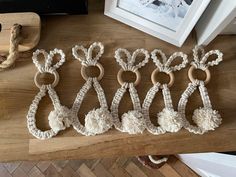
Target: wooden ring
x=55, y=82
x=84, y=75
x=121, y=82
x=190, y=74
x=171, y=75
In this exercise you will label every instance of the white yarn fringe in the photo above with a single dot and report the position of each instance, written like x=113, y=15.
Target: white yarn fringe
x=207, y=119
x=59, y=119
x=170, y=120
x=98, y=121
x=133, y=122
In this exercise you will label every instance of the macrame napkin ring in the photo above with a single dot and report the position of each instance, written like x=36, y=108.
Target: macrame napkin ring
x=59, y=118
x=97, y=121
x=168, y=119
x=132, y=121
x=205, y=118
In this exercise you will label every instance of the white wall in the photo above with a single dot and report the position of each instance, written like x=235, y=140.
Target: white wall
x=211, y=164
x=216, y=17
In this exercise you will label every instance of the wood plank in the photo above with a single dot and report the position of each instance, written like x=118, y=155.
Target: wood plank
x=99, y=170
x=17, y=91
x=134, y=171
x=180, y=167
x=84, y=171
x=167, y=170
x=69, y=143
x=121, y=167
x=149, y=172
x=30, y=33
x=118, y=167
x=108, y=162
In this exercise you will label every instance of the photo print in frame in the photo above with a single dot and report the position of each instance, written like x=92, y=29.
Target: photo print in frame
x=169, y=20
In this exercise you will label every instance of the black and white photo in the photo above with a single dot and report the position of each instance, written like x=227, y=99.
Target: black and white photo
x=169, y=20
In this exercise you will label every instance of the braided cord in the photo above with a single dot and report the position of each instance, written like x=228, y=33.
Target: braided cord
x=182, y=106
x=13, y=50
x=155, y=130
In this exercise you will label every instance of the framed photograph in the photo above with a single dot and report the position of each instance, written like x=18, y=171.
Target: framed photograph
x=169, y=20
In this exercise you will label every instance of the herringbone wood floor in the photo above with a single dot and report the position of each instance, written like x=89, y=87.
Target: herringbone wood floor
x=114, y=167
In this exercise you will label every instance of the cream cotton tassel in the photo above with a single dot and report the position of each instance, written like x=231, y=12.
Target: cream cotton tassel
x=98, y=121
x=207, y=119
x=170, y=120
x=133, y=122
x=59, y=119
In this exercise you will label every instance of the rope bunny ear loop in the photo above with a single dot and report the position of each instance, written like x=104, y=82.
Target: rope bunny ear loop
x=132, y=121
x=97, y=121
x=59, y=118
x=205, y=118
x=168, y=119
x=13, y=51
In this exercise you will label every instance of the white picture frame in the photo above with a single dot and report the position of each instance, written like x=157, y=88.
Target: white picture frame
x=214, y=20
x=176, y=38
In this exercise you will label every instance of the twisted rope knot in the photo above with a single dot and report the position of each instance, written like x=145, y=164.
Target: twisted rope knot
x=129, y=68
x=197, y=82
x=89, y=62
x=201, y=66
x=165, y=69
x=125, y=85
x=43, y=69
x=13, y=50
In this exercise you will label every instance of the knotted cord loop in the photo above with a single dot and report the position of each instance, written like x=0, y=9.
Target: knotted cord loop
x=13, y=50
x=205, y=118
x=200, y=61
x=163, y=64
x=168, y=119
x=97, y=121
x=47, y=67
x=60, y=117
x=132, y=121
x=130, y=64
x=88, y=60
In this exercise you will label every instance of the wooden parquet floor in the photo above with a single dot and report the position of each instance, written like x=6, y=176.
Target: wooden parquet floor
x=113, y=167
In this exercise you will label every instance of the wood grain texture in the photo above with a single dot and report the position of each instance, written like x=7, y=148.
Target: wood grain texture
x=30, y=32
x=17, y=91
x=106, y=167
